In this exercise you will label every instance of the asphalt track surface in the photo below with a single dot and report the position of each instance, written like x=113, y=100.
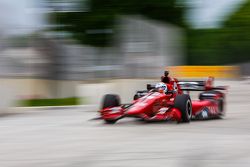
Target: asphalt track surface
x=69, y=138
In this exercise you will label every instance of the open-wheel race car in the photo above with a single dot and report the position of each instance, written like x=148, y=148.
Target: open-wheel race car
x=168, y=100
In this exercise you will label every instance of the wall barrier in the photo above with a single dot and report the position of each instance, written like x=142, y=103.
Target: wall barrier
x=225, y=72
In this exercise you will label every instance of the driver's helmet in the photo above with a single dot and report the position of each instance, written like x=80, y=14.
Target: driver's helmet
x=161, y=87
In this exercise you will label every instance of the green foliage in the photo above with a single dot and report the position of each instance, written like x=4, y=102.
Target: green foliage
x=206, y=47
x=102, y=16
x=227, y=45
x=240, y=18
x=50, y=102
x=237, y=40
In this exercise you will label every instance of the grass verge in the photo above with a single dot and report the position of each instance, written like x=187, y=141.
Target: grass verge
x=50, y=102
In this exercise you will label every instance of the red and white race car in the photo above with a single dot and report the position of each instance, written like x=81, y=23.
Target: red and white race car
x=168, y=100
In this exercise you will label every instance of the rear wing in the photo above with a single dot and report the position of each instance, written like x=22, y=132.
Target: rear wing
x=192, y=85
x=200, y=85
x=195, y=85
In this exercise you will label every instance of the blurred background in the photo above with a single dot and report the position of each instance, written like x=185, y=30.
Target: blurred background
x=65, y=49
x=59, y=57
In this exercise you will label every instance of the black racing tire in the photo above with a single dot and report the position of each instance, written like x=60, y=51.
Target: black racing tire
x=136, y=97
x=221, y=107
x=111, y=100
x=184, y=104
x=110, y=121
x=221, y=104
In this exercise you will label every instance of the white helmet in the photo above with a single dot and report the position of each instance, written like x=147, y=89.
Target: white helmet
x=162, y=86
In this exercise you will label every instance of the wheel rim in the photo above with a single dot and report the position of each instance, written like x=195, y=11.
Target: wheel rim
x=189, y=109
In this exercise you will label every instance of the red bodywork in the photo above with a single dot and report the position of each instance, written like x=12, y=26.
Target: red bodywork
x=153, y=106
x=156, y=106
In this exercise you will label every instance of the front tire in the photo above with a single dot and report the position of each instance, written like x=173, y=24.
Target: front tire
x=110, y=121
x=184, y=104
x=109, y=101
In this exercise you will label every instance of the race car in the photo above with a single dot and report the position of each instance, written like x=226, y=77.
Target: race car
x=168, y=100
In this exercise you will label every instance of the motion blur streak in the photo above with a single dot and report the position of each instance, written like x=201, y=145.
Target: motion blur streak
x=67, y=137
x=59, y=57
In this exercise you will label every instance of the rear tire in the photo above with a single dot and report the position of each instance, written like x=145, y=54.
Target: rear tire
x=221, y=108
x=184, y=104
x=110, y=121
x=221, y=105
x=136, y=97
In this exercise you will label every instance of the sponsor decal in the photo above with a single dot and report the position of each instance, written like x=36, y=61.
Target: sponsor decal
x=141, y=104
x=208, y=94
x=212, y=109
x=163, y=110
x=115, y=110
x=205, y=112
